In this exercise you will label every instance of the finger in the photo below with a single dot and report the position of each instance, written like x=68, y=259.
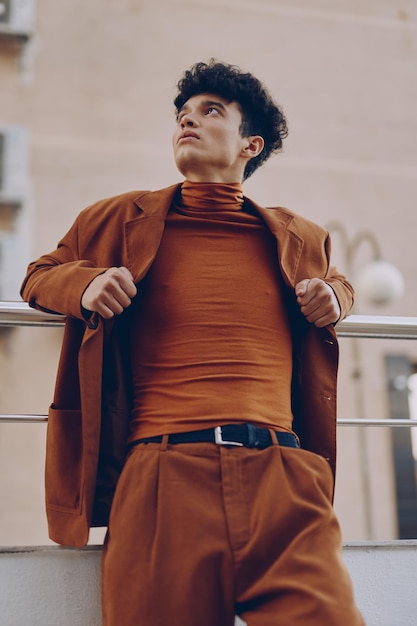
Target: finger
x=318, y=293
x=106, y=296
x=116, y=298
x=323, y=315
x=125, y=279
x=118, y=281
x=301, y=288
x=325, y=320
x=311, y=311
x=105, y=311
x=107, y=304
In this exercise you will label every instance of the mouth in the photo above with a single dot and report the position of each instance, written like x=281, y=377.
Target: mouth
x=188, y=134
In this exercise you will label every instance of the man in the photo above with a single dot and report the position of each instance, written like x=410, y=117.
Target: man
x=199, y=354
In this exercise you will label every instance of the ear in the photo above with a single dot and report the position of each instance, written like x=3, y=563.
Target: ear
x=253, y=147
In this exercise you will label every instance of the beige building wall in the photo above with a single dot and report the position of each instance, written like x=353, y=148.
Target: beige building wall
x=94, y=87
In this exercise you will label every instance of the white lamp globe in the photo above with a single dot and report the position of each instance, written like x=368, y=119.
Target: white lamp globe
x=380, y=283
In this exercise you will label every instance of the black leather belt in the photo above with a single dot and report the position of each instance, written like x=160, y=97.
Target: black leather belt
x=246, y=435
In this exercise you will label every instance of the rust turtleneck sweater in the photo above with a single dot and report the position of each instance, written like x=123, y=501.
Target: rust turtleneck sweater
x=210, y=341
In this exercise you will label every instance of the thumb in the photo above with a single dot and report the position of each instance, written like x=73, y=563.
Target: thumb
x=301, y=287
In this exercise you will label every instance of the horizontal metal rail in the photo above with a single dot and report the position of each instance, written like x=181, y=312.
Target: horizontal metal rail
x=409, y=423
x=21, y=314
x=30, y=418
x=22, y=418
x=378, y=327
x=365, y=326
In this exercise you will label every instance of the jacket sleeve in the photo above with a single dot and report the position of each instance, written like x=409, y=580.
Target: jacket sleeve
x=342, y=288
x=56, y=282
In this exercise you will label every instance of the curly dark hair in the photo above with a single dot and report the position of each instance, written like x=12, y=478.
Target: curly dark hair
x=260, y=114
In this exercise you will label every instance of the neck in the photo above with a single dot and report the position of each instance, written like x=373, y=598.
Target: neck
x=215, y=178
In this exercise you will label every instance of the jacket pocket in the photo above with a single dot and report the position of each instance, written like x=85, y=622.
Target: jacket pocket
x=63, y=468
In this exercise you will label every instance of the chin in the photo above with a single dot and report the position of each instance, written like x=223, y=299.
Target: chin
x=187, y=167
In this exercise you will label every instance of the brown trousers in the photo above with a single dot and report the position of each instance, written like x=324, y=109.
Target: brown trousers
x=200, y=532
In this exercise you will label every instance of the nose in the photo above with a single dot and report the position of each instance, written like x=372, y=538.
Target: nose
x=187, y=121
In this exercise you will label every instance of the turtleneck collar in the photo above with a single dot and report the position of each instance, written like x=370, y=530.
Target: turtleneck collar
x=211, y=196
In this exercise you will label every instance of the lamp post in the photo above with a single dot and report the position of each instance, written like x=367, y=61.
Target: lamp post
x=379, y=283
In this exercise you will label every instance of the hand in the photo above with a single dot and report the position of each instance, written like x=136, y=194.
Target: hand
x=318, y=302
x=110, y=293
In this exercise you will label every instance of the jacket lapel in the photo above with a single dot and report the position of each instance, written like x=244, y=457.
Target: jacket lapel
x=289, y=243
x=143, y=233
x=297, y=261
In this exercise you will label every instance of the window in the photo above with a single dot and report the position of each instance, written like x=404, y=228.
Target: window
x=402, y=391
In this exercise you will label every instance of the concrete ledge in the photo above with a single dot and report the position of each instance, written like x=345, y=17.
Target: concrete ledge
x=384, y=576
x=47, y=586
x=50, y=586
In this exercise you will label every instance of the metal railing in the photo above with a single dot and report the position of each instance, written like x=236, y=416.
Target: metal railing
x=20, y=314
x=14, y=314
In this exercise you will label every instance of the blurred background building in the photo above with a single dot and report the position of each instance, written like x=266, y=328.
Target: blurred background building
x=86, y=112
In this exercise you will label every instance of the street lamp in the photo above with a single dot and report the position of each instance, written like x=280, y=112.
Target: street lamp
x=379, y=283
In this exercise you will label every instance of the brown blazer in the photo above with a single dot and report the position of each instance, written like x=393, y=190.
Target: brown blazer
x=89, y=415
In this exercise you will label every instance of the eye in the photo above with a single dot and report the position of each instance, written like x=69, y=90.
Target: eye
x=211, y=110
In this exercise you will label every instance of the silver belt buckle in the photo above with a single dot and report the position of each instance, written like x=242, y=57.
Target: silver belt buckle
x=218, y=438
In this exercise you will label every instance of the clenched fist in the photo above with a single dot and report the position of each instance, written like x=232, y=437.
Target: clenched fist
x=317, y=301
x=110, y=293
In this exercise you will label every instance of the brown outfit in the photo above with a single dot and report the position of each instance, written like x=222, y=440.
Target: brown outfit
x=88, y=421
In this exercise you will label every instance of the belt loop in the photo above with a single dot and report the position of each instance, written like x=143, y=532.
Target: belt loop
x=164, y=442
x=252, y=439
x=273, y=436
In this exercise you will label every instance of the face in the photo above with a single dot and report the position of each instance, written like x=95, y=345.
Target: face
x=207, y=143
